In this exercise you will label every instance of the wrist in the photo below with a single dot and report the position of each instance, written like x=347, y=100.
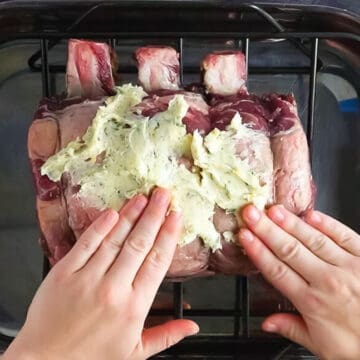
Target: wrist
x=18, y=351
x=15, y=353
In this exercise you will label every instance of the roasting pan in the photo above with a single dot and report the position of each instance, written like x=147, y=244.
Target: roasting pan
x=312, y=51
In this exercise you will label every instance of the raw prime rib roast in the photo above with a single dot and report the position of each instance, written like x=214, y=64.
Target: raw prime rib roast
x=274, y=145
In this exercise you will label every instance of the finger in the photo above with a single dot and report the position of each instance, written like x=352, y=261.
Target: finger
x=275, y=271
x=89, y=241
x=161, y=337
x=290, y=326
x=314, y=240
x=157, y=262
x=345, y=237
x=284, y=246
x=110, y=247
x=141, y=239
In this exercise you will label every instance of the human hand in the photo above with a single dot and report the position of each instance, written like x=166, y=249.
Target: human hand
x=316, y=264
x=93, y=303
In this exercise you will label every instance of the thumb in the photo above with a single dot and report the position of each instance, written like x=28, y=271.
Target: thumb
x=290, y=326
x=161, y=337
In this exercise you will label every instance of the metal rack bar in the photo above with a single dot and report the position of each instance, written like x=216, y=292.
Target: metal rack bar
x=230, y=313
x=45, y=68
x=312, y=91
x=112, y=42
x=180, y=48
x=46, y=267
x=46, y=90
x=237, y=308
x=252, y=70
x=176, y=35
x=244, y=282
x=245, y=49
x=178, y=300
x=219, y=346
x=245, y=306
x=178, y=287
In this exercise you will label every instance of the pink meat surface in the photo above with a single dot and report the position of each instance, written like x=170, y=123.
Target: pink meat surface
x=230, y=259
x=190, y=260
x=158, y=68
x=42, y=143
x=254, y=146
x=80, y=215
x=75, y=119
x=224, y=72
x=73, y=123
x=89, y=71
x=253, y=113
x=56, y=237
x=294, y=187
x=57, y=121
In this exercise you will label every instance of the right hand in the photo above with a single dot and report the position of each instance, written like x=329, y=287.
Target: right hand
x=316, y=264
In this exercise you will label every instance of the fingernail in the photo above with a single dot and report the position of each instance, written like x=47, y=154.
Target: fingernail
x=245, y=235
x=276, y=214
x=106, y=221
x=270, y=327
x=110, y=215
x=195, y=328
x=315, y=217
x=160, y=196
x=252, y=214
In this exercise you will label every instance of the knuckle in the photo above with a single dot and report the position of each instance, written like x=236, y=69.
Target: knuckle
x=108, y=296
x=345, y=239
x=125, y=221
x=58, y=275
x=85, y=244
x=289, y=250
x=158, y=258
x=169, y=341
x=317, y=242
x=139, y=244
x=278, y=272
x=336, y=285
x=113, y=244
x=290, y=331
x=353, y=265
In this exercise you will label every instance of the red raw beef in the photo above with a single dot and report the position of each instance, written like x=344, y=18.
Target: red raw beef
x=91, y=69
x=275, y=144
x=196, y=118
x=158, y=68
x=224, y=72
x=294, y=186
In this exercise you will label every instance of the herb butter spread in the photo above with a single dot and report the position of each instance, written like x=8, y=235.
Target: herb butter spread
x=123, y=154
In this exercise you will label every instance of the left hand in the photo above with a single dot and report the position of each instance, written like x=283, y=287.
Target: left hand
x=93, y=303
x=316, y=264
